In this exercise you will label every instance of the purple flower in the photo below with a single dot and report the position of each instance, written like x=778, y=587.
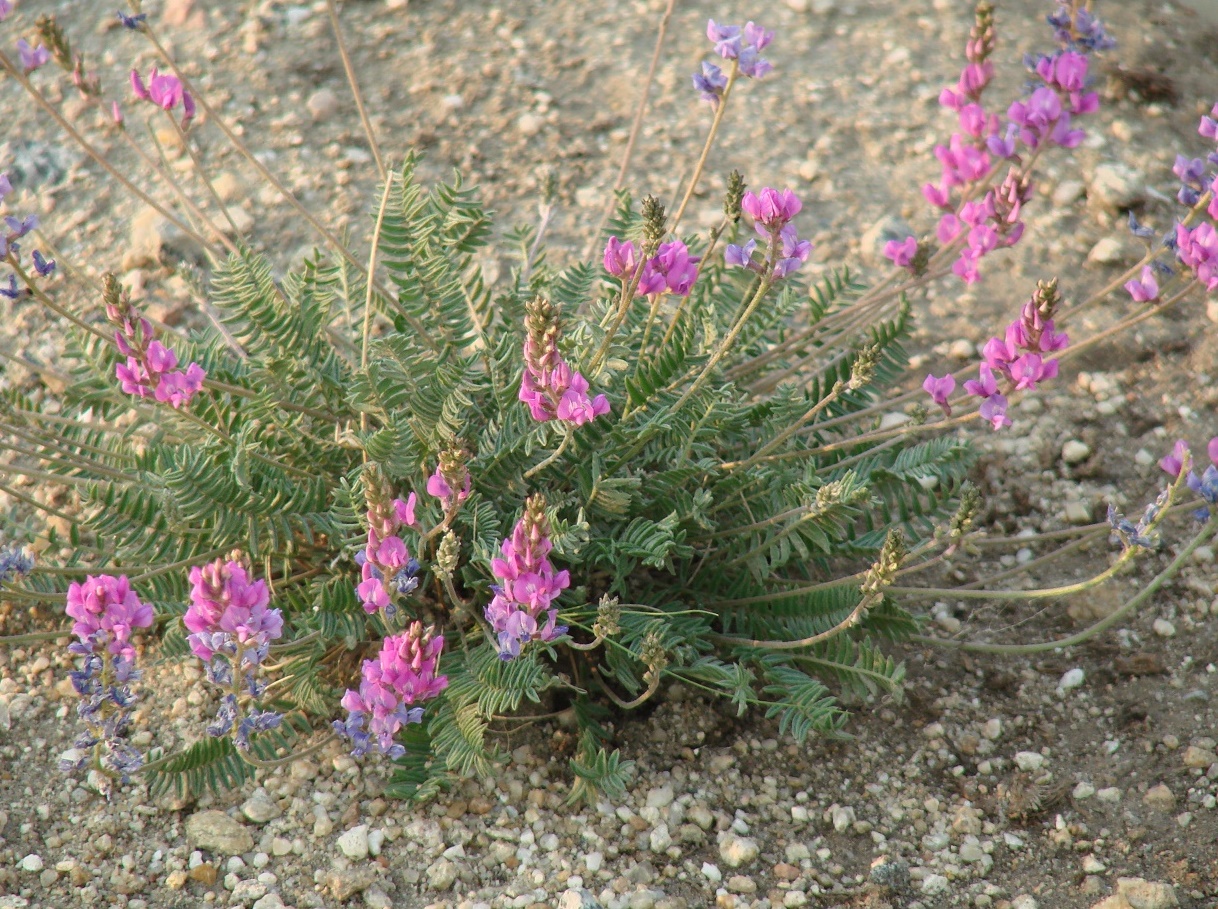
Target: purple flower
x=165, y=91
x=795, y=252
x=12, y=291
x=740, y=256
x=710, y=83
x=228, y=609
x=549, y=386
x=1029, y=369
x=5, y=186
x=150, y=367
x=6, y=7
x=1208, y=126
x=994, y=410
x=1003, y=146
x=15, y=563
x=901, y=252
x=984, y=386
x=757, y=37
x=135, y=23
x=1189, y=170
x=1198, y=249
x=32, y=57
x=770, y=208
x=940, y=390
x=726, y=38
x=752, y=65
x=1146, y=290
x=678, y=270
x=1173, y=463
x=43, y=266
x=19, y=227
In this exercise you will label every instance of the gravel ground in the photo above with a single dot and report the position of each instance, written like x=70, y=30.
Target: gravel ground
x=1059, y=781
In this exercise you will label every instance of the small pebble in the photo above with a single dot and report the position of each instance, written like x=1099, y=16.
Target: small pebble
x=1164, y=629
x=1075, y=452
x=1029, y=761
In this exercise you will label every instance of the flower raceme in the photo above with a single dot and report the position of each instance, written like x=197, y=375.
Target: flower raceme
x=672, y=269
x=523, y=609
x=386, y=568
x=772, y=212
x=166, y=92
x=150, y=369
x=228, y=612
x=550, y=388
x=402, y=676
x=1017, y=357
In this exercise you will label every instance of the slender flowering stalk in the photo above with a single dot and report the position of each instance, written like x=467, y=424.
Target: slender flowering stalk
x=232, y=628
x=150, y=367
x=106, y=612
x=401, y=677
x=386, y=569
x=523, y=609
x=550, y=388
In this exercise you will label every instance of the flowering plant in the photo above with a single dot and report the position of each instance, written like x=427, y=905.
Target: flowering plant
x=380, y=484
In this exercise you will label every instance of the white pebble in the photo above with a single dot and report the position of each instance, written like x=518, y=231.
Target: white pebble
x=1075, y=452
x=1029, y=761
x=1073, y=678
x=354, y=843
x=711, y=872
x=31, y=863
x=1164, y=628
x=1083, y=790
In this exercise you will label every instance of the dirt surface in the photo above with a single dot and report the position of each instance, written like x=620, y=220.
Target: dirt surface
x=1000, y=781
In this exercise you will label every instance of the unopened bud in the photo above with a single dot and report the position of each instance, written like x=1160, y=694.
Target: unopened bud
x=654, y=226
x=608, y=617
x=735, y=193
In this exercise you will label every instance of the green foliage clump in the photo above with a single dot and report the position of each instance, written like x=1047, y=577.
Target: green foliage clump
x=732, y=524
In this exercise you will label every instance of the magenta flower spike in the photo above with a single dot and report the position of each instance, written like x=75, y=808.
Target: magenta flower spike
x=228, y=609
x=106, y=611
x=522, y=609
x=549, y=387
x=165, y=91
x=386, y=567
x=771, y=209
x=403, y=675
x=149, y=368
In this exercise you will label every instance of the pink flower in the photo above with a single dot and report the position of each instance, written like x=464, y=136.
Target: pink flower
x=940, y=390
x=770, y=208
x=165, y=91
x=1174, y=462
x=1146, y=290
x=620, y=258
x=901, y=252
x=227, y=607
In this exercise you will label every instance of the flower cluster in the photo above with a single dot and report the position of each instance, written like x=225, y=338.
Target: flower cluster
x=386, y=568
x=231, y=629
x=772, y=212
x=150, y=369
x=1017, y=357
x=733, y=42
x=1142, y=533
x=523, y=609
x=550, y=388
x=166, y=92
x=1206, y=484
x=15, y=563
x=672, y=269
x=1045, y=117
x=402, y=675
x=106, y=611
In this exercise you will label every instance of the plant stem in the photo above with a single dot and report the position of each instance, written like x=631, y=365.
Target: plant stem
x=1131, y=606
x=376, y=245
x=92, y=152
x=706, y=147
x=354, y=83
x=635, y=128
x=554, y=456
